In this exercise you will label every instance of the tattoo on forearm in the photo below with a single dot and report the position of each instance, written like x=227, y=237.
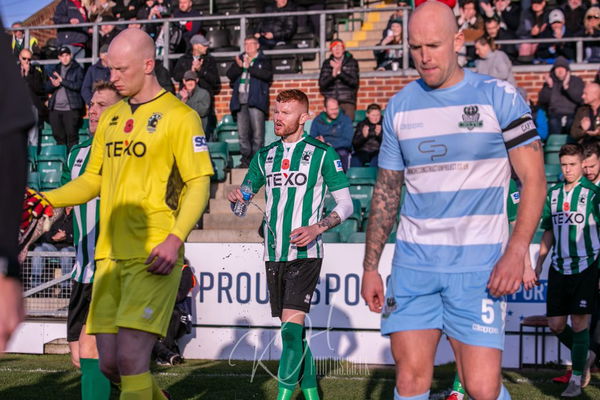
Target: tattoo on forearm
x=384, y=208
x=330, y=221
x=536, y=146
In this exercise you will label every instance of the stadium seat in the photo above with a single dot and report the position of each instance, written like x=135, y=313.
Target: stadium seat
x=552, y=158
x=50, y=173
x=33, y=180
x=223, y=66
x=555, y=141
x=330, y=237
x=53, y=153
x=227, y=123
x=32, y=154
x=220, y=168
x=346, y=229
x=357, y=237
x=232, y=139
x=220, y=159
x=217, y=38
x=270, y=136
x=359, y=115
x=553, y=172
x=47, y=126
x=362, y=175
x=46, y=132
x=285, y=64
x=47, y=140
x=218, y=150
x=363, y=194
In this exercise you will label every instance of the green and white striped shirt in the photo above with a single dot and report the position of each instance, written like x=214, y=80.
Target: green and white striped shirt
x=296, y=177
x=86, y=216
x=574, y=217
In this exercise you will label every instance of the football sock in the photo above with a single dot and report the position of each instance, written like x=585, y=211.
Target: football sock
x=581, y=343
x=423, y=396
x=309, y=372
x=291, y=355
x=284, y=394
x=136, y=387
x=504, y=395
x=94, y=385
x=310, y=393
x=457, y=386
x=157, y=393
x=566, y=337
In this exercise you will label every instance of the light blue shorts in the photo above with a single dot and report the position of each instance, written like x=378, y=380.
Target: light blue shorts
x=458, y=304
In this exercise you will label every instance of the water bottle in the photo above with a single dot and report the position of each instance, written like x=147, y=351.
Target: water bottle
x=241, y=207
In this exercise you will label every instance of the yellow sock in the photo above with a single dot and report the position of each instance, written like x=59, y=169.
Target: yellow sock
x=136, y=387
x=157, y=393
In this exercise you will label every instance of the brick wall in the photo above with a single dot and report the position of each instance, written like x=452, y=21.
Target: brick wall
x=378, y=90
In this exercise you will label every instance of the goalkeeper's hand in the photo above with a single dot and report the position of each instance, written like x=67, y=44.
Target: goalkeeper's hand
x=35, y=206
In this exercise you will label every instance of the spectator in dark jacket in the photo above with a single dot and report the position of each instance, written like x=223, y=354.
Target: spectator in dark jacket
x=66, y=105
x=494, y=32
x=574, y=14
x=334, y=127
x=71, y=12
x=533, y=22
x=150, y=9
x=190, y=28
x=95, y=73
x=367, y=139
x=250, y=77
x=339, y=77
x=33, y=76
x=587, y=119
x=107, y=32
x=556, y=30
x=507, y=12
x=275, y=30
x=560, y=96
x=195, y=96
x=126, y=9
x=163, y=76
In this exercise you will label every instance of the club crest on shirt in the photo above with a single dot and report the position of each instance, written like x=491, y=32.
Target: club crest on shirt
x=470, y=118
x=306, y=155
x=153, y=121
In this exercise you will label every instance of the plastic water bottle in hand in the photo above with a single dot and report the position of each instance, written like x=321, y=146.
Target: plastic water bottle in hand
x=241, y=207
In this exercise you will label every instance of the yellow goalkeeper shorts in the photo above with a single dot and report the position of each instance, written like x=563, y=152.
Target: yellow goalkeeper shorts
x=126, y=295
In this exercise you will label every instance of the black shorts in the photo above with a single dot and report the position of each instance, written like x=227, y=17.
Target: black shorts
x=79, y=306
x=572, y=294
x=292, y=283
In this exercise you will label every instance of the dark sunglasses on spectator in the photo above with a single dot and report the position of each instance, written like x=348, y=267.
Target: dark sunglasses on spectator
x=593, y=17
x=25, y=59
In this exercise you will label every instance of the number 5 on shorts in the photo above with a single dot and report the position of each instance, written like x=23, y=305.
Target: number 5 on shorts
x=487, y=311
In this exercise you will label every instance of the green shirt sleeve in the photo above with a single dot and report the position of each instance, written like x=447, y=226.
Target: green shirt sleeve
x=333, y=174
x=256, y=173
x=547, y=215
x=66, y=174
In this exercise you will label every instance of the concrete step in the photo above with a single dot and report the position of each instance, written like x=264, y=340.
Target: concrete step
x=225, y=236
x=57, y=346
x=221, y=206
x=237, y=175
x=230, y=221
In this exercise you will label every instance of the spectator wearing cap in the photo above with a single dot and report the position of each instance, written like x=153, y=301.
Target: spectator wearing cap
x=574, y=16
x=277, y=30
x=71, y=12
x=591, y=28
x=493, y=31
x=556, y=29
x=198, y=59
x=65, y=105
x=507, y=12
x=95, y=73
x=18, y=41
x=107, y=32
x=560, y=96
x=195, y=96
x=250, y=77
x=190, y=28
x=587, y=118
x=390, y=59
x=339, y=77
x=533, y=22
x=471, y=25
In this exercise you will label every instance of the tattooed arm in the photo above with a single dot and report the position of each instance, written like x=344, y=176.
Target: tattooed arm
x=528, y=163
x=384, y=208
x=304, y=235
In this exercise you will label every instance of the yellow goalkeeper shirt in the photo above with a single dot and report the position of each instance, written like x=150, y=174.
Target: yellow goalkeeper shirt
x=144, y=159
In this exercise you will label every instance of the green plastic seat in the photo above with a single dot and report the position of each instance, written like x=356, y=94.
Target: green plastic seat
x=555, y=140
x=46, y=132
x=32, y=153
x=218, y=150
x=360, y=115
x=345, y=229
x=553, y=172
x=50, y=177
x=47, y=141
x=53, y=153
x=47, y=126
x=552, y=158
x=362, y=175
x=330, y=237
x=363, y=194
x=33, y=180
x=227, y=123
x=357, y=237
x=220, y=168
x=270, y=136
x=232, y=139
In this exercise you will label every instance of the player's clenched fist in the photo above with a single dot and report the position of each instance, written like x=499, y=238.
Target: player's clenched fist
x=34, y=207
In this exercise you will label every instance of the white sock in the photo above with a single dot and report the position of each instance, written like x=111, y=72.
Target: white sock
x=576, y=379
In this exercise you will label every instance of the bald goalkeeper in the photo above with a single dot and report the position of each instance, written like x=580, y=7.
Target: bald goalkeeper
x=150, y=166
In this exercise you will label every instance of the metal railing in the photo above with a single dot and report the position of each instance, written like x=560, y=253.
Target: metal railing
x=47, y=283
x=321, y=50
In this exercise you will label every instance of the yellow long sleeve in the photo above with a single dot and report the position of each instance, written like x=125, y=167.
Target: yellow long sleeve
x=193, y=204
x=79, y=191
